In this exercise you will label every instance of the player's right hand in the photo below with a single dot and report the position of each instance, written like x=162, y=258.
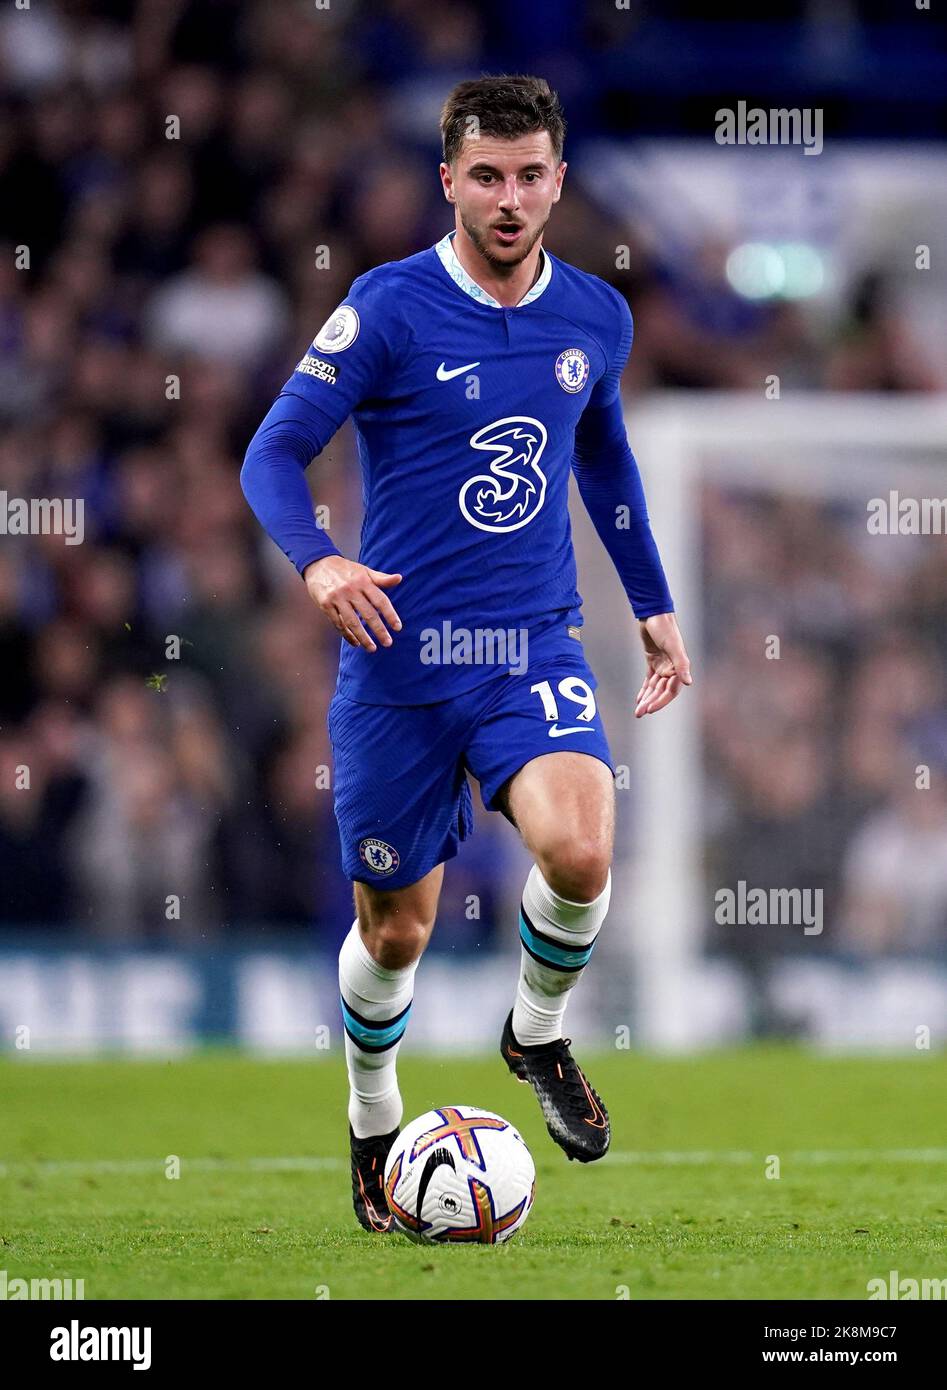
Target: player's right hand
x=350, y=595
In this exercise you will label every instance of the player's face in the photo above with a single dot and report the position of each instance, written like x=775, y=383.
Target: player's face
x=504, y=191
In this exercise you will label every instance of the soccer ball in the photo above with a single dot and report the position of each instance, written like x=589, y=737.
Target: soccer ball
x=459, y=1174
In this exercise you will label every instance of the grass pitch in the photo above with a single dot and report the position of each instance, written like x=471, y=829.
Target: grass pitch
x=681, y=1208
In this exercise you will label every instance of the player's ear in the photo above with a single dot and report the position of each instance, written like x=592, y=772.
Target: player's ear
x=447, y=182
x=560, y=175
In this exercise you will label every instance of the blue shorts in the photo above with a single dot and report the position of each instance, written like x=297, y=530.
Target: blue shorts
x=402, y=799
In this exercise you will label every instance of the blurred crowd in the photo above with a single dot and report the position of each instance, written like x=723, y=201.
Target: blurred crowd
x=186, y=191
x=827, y=752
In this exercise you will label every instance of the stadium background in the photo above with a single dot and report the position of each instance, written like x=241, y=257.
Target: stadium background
x=193, y=252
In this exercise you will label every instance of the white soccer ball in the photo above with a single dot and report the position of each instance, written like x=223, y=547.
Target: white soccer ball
x=459, y=1174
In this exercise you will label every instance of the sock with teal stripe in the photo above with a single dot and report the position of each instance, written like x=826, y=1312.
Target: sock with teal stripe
x=556, y=937
x=376, y=1004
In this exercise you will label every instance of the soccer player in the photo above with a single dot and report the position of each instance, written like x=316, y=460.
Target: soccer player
x=479, y=373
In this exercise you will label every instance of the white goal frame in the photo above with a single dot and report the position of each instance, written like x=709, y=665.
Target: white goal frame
x=681, y=439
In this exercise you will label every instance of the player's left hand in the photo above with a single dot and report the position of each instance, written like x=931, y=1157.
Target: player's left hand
x=668, y=666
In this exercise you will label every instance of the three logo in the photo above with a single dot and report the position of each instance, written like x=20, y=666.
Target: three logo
x=514, y=490
x=511, y=493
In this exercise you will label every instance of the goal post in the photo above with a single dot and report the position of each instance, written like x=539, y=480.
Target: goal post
x=820, y=446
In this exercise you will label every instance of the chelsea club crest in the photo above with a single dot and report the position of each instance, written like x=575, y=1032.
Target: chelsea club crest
x=378, y=856
x=572, y=370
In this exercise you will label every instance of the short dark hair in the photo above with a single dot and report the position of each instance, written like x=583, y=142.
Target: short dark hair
x=507, y=106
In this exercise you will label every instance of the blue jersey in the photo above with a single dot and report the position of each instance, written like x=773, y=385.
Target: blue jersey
x=465, y=416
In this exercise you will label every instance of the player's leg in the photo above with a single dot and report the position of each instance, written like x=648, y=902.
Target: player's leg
x=376, y=982
x=403, y=805
x=563, y=805
x=541, y=756
x=376, y=985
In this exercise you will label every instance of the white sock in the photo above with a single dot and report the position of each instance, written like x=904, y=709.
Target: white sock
x=376, y=1003
x=557, y=938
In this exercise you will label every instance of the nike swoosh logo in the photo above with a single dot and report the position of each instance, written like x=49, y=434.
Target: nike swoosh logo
x=596, y=1119
x=444, y=375
x=556, y=732
x=379, y=1222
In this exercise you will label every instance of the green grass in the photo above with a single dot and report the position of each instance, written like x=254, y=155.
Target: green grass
x=696, y=1219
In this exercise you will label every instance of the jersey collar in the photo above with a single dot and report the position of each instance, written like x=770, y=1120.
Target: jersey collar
x=448, y=259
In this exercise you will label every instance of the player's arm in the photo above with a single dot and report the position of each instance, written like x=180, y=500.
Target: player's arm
x=322, y=391
x=611, y=490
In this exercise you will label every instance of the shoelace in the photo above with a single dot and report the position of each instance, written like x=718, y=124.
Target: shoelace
x=573, y=1082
